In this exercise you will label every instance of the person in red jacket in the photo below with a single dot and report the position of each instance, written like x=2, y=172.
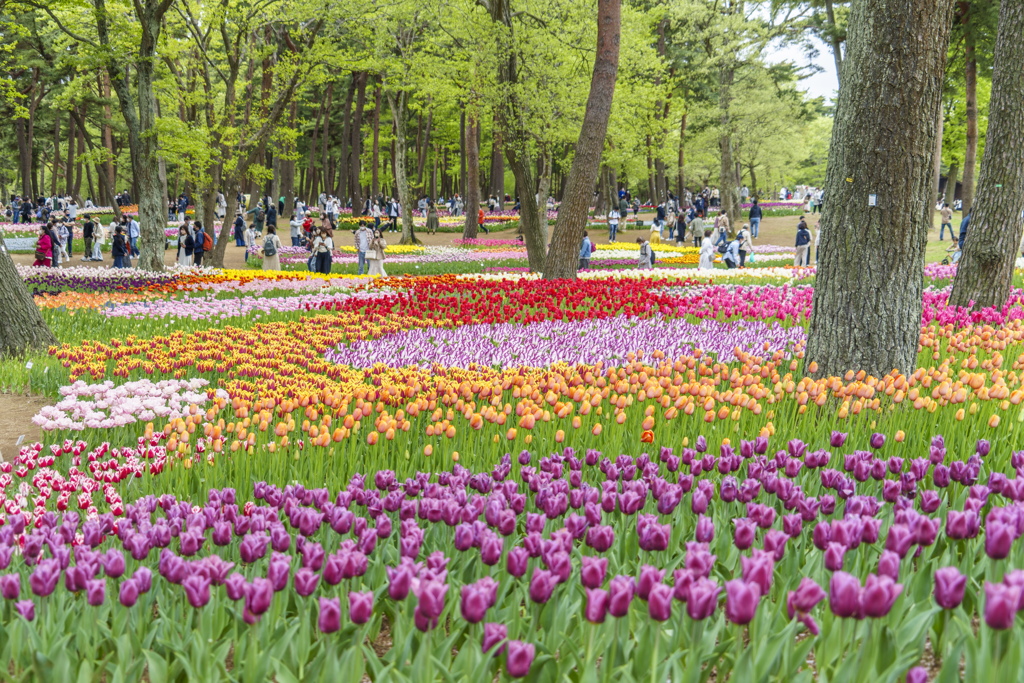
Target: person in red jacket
x=44, y=247
x=480, y=221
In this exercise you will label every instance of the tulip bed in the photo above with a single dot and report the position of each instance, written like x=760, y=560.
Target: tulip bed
x=282, y=476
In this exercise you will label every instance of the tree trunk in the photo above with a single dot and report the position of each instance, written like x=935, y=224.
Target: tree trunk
x=56, y=152
x=462, y=155
x=422, y=161
x=867, y=296
x=971, y=95
x=681, y=170
x=346, y=137
x=951, y=180
x=497, y=164
x=753, y=180
x=563, y=257
x=108, y=143
x=727, y=182
x=985, y=274
x=936, y=168
x=471, y=200
x=24, y=328
x=356, y=147
x=24, y=157
x=309, y=191
x=375, y=177
x=833, y=38
x=397, y=101
x=324, y=174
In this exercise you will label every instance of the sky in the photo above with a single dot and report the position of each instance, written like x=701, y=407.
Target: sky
x=822, y=84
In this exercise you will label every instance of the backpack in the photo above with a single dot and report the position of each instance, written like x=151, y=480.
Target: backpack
x=259, y=214
x=593, y=247
x=652, y=257
x=207, y=241
x=269, y=248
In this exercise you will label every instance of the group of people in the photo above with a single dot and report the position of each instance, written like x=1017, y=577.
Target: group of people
x=55, y=244
x=25, y=210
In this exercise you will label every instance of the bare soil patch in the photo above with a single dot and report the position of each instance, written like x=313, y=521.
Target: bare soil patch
x=16, y=413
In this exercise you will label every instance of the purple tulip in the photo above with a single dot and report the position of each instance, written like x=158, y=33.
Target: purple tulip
x=128, y=593
x=329, y=620
x=475, y=603
x=96, y=591
x=516, y=561
x=519, y=658
x=360, y=606
x=542, y=584
x=741, y=600
x=758, y=570
x=399, y=581
x=597, y=605
x=983, y=447
x=113, y=563
x=998, y=539
x=807, y=595
x=649, y=577
x=197, y=590
x=600, y=538
x=593, y=571
x=960, y=525
x=306, y=581
x=877, y=440
x=930, y=501
x=278, y=571
x=659, y=602
x=889, y=565
x=698, y=560
x=1000, y=605
x=879, y=595
x=775, y=543
x=258, y=596
x=705, y=532
x=143, y=579
x=844, y=595
x=494, y=634
x=491, y=547
x=834, y=556
x=837, y=439
x=235, y=586
x=621, y=591
x=949, y=587
x=26, y=608
x=703, y=598
x=431, y=599
x=917, y=675
x=44, y=578
x=899, y=539
x=10, y=586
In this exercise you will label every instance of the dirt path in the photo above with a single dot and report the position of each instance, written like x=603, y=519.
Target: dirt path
x=16, y=413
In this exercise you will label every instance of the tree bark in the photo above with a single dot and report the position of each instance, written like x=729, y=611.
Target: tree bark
x=108, y=143
x=24, y=328
x=397, y=100
x=356, y=147
x=375, y=172
x=563, y=257
x=936, y=168
x=497, y=163
x=985, y=273
x=325, y=176
x=681, y=170
x=346, y=137
x=471, y=200
x=951, y=180
x=24, y=157
x=727, y=181
x=971, y=96
x=833, y=37
x=867, y=296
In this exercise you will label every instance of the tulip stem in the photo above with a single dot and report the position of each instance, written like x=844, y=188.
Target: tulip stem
x=654, y=654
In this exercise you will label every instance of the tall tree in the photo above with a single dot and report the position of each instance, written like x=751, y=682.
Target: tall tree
x=24, y=328
x=867, y=297
x=563, y=257
x=985, y=274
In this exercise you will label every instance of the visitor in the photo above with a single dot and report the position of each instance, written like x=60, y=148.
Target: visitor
x=433, y=223
x=636, y=209
x=88, y=231
x=623, y=207
x=44, y=249
x=222, y=205
x=480, y=221
x=376, y=213
x=586, y=249
x=239, y=228
x=394, y=211
x=754, y=215
x=613, y=224
x=119, y=249
x=946, y=215
x=182, y=206
x=363, y=238
x=707, y=251
x=185, y=244
x=817, y=240
x=697, y=229
x=133, y=237
x=731, y=257
x=646, y=259
x=68, y=233
x=98, y=238
x=376, y=254
x=722, y=228
x=670, y=224
x=295, y=229
x=964, y=224
x=258, y=216
x=271, y=250
x=199, y=244
x=656, y=227
x=803, y=242
x=746, y=246
x=323, y=249
x=272, y=216
x=55, y=247
x=249, y=242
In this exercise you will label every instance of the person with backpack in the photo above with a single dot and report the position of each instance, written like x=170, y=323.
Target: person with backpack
x=258, y=216
x=803, y=243
x=613, y=224
x=746, y=246
x=722, y=226
x=731, y=257
x=203, y=244
x=586, y=249
x=239, y=228
x=119, y=249
x=271, y=250
x=646, y=261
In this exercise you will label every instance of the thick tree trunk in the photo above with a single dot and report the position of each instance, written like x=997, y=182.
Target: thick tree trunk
x=325, y=175
x=681, y=168
x=24, y=157
x=985, y=274
x=471, y=199
x=56, y=152
x=397, y=100
x=24, y=328
x=356, y=147
x=867, y=297
x=971, y=96
x=728, y=183
x=462, y=155
x=108, y=143
x=346, y=138
x=375, y=172
x=563, y=257
x=936, y=168
x=833, y=39
x=309, y=189
x=497, y=163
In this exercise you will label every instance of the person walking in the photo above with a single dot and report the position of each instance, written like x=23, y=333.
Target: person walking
x=200, y=243
x=249, y=241
x=646, y=258
x=363, y=238
x=433, y=223
x=133, y=237
x=586, y=249
x=393, y=212
x=946, y=215
x=119, y=248
x=707, y=252
x=295, y=229
x=480, y=221
x=376, y=254
x=697, y=229
x=746, y=246
x=613, y=224
x=239, y=227
x=754, y=216
x=271, y=250
x=803, y=242
x=185, y=244
x=731, y=257
x=271, y=215
x=323, y=250
x=88, y=231
x=44, y=249
x=722, y=228
x=99, y=236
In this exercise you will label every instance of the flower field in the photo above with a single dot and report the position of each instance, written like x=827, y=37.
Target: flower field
x=250, y=475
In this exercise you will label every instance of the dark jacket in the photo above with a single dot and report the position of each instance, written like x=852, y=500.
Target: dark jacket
x=803, y=236
x=755, y=211
x=964, y=224
x=186, y=243
x=118, y=247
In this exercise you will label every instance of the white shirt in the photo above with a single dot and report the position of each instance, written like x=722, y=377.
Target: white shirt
x=613, y=217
